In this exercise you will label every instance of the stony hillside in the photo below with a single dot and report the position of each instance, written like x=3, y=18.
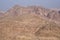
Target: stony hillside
x=28, y=23
x=52, y=14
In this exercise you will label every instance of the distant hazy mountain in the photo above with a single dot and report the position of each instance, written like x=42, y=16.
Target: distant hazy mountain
x=30, y=23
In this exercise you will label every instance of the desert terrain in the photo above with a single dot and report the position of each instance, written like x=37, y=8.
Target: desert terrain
x=30, y=23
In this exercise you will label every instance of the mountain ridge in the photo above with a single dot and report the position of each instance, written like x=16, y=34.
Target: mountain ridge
x=18, y=10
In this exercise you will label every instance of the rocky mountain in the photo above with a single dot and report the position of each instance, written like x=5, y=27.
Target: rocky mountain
x=1, y=13
x=30, y=23
x=52, y=14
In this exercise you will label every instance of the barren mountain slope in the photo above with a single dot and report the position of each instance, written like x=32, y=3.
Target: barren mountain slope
x=17, y=10
x=29, y=23
x=28, y=27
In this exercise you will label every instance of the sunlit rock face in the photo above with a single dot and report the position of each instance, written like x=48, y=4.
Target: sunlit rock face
x=30, y=23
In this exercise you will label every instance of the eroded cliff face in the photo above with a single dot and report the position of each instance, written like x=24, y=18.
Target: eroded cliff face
x=30, y=23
